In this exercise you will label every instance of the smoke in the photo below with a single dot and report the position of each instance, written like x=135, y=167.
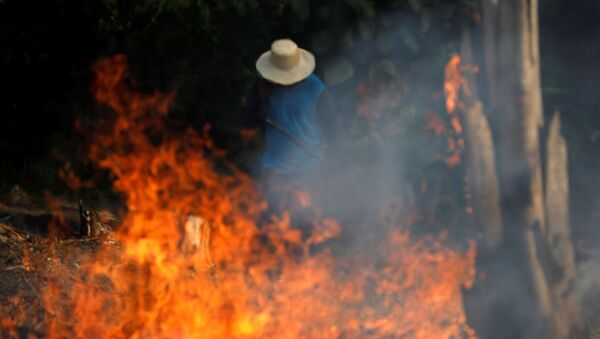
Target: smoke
x=586, y=288
x=382, y=160
x=388, y=143
x=384, y=164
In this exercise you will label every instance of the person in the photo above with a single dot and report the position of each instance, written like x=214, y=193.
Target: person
x=291, y=102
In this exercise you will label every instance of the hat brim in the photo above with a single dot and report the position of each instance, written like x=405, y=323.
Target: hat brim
x=301, y=71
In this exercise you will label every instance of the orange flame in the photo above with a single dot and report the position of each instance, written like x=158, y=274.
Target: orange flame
x=455, y=82
x=247, y=280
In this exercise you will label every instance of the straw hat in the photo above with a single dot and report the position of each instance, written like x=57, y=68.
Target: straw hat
x=285, y=63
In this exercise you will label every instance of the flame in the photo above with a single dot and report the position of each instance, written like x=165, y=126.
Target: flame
x=198, y=259
x=454, y=82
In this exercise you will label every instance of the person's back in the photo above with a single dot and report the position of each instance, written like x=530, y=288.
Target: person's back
x=293, y=142
x=288, y=94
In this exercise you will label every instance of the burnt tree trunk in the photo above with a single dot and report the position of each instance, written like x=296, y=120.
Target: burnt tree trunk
x=528, y=269
x=519, y=116
x=561, y=270
x=482, y=180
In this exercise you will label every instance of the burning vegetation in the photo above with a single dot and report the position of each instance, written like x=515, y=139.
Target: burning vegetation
x=196, y=254
x=455, y=195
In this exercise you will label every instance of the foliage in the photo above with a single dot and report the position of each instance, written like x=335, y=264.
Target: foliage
x=204, y=50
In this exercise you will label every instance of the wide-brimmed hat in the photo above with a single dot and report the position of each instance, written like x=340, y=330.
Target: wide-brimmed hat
x=285, y=63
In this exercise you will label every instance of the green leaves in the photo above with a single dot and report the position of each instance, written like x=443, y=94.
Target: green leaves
x=448, y=10
x=301, y=8
x=322, y=42
x=415, y=5
x=179, y=4
x=386, y=41
x=364, y=7
x=425, y=21
x=382, y=70
x=366, y=29
x=409, y=39
x=339, y=72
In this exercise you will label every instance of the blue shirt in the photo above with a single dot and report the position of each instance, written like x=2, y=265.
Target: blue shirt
x=293, y=108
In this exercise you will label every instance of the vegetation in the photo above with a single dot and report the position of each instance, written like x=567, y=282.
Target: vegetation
x=383, y=62
x=197, y=48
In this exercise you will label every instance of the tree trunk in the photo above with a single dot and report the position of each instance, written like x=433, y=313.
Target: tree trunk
x=512, y=58
x=527, y=275
x=490, y=41
x=566, y=315
x=482, y=180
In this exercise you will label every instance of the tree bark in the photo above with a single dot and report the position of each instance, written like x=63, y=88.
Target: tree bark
x=529, y=272
x=557, y=204
x=566, y=315
x=490, y=48
x=512, y=64
x=482, y=180
x=481, y=174
x=520, y=118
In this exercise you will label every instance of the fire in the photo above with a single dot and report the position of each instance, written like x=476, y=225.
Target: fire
x=244, y=276
x=454, y=83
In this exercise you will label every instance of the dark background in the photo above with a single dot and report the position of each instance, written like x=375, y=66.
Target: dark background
x=205, y=50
